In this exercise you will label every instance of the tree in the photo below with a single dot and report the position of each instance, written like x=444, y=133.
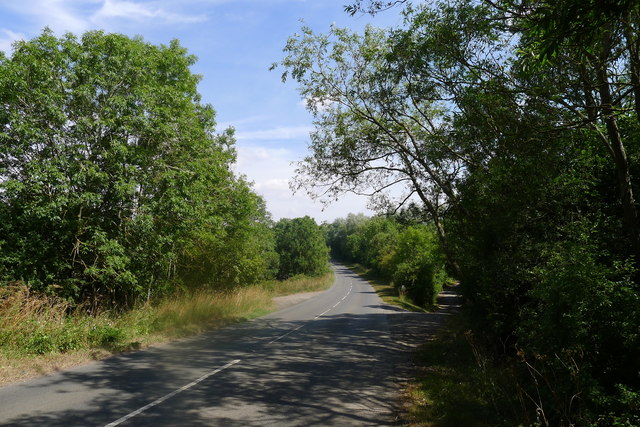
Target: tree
x=338, y=232
x=110, y=168
x=510, y=122
x=373, y=241
x=371, y=6
x=595, y=45
x=377, y=125
x=300, y=244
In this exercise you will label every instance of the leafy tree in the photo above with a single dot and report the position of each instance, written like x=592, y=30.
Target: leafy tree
x=301, y=246
x=375, y=128
x=373, y=241
x=511, y=123
x=110, y=169
x=409, y=255
x=338, y=232
x=417, y=264
x=371, y=6
x=595, y=46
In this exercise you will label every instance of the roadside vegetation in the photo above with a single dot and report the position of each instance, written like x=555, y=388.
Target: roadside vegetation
x=42, y=333
x=458, y=384
x=121, y=220
x=511, y=128
x=508, y=130
x=398, y=254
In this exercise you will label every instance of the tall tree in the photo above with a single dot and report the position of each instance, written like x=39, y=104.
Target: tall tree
x=595, y=46
x=109, y=166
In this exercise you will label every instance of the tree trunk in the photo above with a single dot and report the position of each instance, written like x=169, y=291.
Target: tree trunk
x=617, y=149
x=633, y=49
x=442, y=235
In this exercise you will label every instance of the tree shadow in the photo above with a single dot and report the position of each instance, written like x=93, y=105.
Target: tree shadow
x=340, y=369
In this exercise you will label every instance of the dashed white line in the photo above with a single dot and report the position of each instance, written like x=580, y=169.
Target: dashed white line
x=207, y=375
x=322, y=314
x=318, y=316
x=284, y=335
x=170, y=395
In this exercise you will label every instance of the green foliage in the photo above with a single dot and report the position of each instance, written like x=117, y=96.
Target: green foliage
x=515, y=125
x=337, y=233
x=409, y=255
x=372, y=242
x=34, y=324
x=301, y=246
x=106, y=336
x=457, y=385
x=418, y=265
x=113, y=185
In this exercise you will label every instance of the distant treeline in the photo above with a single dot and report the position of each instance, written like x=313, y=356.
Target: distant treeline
x=115, y=187
x=405, y=252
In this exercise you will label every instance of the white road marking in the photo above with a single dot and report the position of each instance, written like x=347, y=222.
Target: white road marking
x=170, y=395
x=337, y=304
x=284, y=335
x=322, y=314
x=207, y=375
x=318, y=316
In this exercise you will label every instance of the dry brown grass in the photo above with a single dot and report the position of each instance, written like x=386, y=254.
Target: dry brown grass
x=39, y=336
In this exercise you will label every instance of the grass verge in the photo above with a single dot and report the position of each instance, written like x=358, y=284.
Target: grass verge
x=455, y=383
x=385, y=289
x=39, y=335
x=458, y=385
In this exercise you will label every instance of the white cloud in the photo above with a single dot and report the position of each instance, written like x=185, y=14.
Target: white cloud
x=123, y=9
x=59, y=15
x=78, y=16
x=278, y=185
x=7, y=38
x=243, y=121
x=285, y=132
x=316, y=103
x=271, y=169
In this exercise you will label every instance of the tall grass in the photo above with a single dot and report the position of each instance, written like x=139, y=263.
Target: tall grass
x=34, y=325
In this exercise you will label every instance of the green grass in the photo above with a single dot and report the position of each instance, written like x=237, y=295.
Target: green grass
x=39, y=334
x=298, y=284
x=456, y=383
x=385, y=289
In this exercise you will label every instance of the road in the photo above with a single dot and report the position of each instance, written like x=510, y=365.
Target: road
x=327, y=361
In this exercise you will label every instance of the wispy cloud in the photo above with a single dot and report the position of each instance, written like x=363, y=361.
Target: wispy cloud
x=7, y=38
x=244, y=121
x=271, y=169
x=80, y=15
x=59, y=15
x=279, y=133
x=122, y=9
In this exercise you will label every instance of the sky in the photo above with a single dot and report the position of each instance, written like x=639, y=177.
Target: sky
x=235, y=41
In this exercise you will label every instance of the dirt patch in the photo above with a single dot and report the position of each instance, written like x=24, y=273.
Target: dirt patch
x=289, y=300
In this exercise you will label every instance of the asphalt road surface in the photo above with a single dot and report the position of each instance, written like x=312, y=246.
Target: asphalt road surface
x=327, y=361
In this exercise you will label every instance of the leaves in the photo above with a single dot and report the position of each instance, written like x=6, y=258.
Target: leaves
x=110, y=167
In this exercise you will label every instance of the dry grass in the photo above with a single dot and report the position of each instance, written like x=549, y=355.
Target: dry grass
x=38, y=335
x=299, y=284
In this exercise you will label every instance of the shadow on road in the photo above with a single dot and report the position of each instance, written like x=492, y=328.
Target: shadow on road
x=340, y=369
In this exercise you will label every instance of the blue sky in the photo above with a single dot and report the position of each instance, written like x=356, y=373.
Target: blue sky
x=235, y=42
